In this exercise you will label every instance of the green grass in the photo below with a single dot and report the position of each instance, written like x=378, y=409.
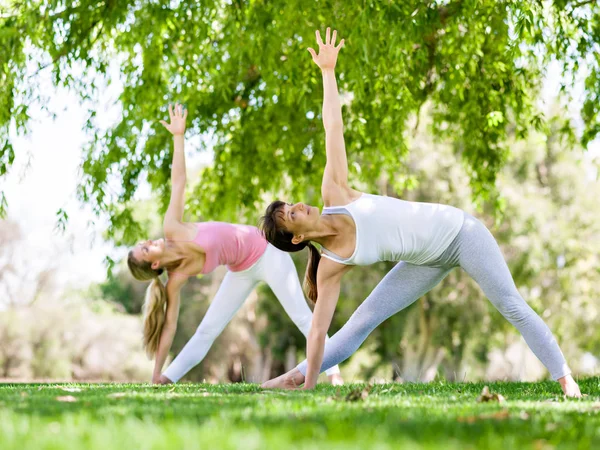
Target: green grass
x=186, y=416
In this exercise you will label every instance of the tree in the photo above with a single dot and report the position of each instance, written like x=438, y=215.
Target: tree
x=242, y=69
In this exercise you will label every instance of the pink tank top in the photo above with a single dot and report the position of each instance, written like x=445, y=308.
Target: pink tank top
x=236, y=246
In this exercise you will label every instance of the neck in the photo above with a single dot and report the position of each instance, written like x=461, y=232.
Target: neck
x=328, y=228
x=174, y=252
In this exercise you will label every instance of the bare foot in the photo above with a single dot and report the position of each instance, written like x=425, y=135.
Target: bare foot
x=569, y=386
x=336, y=379
x=291, y=380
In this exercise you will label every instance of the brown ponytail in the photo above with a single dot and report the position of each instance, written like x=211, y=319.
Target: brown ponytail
x=310, y=278
x=282, y=239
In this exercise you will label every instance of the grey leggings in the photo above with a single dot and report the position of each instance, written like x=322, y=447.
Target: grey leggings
x=476, y=251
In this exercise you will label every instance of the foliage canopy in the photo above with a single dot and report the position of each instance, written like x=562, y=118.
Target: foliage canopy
x=242, y=70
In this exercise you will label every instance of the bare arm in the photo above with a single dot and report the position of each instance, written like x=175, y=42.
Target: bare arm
x=329, y=276
x=174, y=215
x=174, y=286
x=336, y=168
x=334, y=187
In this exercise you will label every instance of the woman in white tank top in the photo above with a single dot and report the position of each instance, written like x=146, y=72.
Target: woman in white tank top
x=356, y=228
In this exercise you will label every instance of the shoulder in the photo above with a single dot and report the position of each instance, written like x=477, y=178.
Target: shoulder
x=331, y=270
x=336, y=195
x=179, y=231
x=176, y=281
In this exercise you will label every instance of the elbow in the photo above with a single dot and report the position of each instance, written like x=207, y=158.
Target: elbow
x=179, y=184
x=170, y=324
x=317, y=334
x=333, y=126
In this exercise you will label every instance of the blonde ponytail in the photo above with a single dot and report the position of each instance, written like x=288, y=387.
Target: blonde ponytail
x=154, y=315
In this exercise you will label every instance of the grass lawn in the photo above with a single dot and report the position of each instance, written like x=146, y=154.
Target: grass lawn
x=186, y=416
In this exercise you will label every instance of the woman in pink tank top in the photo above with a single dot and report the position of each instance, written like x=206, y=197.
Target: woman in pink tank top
x=189, y=249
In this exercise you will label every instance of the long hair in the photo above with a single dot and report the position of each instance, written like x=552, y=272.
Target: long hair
x=280, y=238
x=154, y=302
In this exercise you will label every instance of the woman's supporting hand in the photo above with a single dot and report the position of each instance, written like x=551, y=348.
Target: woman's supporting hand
x=328, y=52
x=160, y=379
x=569, y=386
x=177, y=118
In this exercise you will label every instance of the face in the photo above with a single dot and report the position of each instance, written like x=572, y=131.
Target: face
x=150, y=251
x=298, y=218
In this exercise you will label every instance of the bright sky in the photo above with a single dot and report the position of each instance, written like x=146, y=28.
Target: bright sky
x=43, y=179
x=54, y=151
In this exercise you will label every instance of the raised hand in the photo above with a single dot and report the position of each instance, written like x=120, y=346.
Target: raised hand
x=328, y=52
x=177, y=118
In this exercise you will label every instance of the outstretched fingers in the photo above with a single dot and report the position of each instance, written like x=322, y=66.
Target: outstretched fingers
x=175, y=112
x=326, y=55
x=330, y=39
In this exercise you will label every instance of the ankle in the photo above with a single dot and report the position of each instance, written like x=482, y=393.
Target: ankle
x=295, y=376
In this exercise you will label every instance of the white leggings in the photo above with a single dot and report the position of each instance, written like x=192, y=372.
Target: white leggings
x=274, y=268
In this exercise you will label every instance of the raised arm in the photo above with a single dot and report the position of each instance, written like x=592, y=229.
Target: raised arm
x=335, y=178
x=170, y=326
x=329, y=277
x=174, y=215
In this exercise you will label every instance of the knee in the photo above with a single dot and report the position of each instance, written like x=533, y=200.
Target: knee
x=361, y=323
x=303, y=325
x=515, y=309
x=206, y=333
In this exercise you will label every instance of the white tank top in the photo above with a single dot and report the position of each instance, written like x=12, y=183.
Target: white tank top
x=390, y=229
